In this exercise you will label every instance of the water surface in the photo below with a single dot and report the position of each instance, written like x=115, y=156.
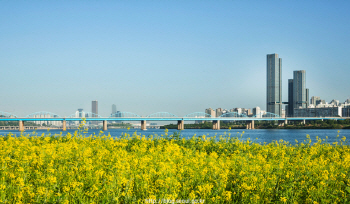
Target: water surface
x=258, y=135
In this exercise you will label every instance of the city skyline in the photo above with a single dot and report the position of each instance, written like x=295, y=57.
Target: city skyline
x=313, y=102
x=169, y=56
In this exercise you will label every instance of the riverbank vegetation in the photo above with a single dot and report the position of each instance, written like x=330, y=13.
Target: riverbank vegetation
x=318, y=124
x=76, y=168
x=207, y=125
x=119, y=125
x=15, y=123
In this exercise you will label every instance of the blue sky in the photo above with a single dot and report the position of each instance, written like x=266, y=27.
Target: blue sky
x=174, y=56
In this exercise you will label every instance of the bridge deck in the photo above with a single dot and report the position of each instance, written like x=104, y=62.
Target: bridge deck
x=175, y=119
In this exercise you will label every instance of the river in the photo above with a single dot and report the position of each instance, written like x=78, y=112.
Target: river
x=258, y=135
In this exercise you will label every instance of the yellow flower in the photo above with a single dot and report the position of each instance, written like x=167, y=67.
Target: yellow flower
x=130, y=167
x=284, y=199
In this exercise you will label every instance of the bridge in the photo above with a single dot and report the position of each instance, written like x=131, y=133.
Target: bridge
x=26, y=127
x=160, y=116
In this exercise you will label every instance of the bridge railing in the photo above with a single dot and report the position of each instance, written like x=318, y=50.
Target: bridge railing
x=233, y=115
x=84, y=115
x=198, y=115
x=162, y=115
x=42, y=114
x=124, y=115
x=7, y=115
x=267, y=115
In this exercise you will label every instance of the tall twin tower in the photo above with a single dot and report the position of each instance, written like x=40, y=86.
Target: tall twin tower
x=298, y=94
x=274, y=84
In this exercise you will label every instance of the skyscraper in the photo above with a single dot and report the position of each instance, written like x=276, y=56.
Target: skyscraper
x=307, y=98
x=290, y=98
x=299, y=89
x=114, y=109
x=94, y=108
x=274, y=84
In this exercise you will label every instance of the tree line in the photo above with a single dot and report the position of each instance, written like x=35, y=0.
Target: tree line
x=312, y=124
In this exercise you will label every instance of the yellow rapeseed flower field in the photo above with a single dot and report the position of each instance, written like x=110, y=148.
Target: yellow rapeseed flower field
x=75, y=168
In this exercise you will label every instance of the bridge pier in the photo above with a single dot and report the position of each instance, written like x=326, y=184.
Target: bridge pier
x=303, y=122
x=250, y=124
x=104, y=128
x=64, y=125
x=21, y=125
x=143, y=125
x=282, y=123
x=216, y=124
x=180, y=125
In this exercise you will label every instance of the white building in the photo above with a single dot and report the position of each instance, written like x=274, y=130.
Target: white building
x=318, y=112
x=210, y=111
x=218, y=112
x=257, y=112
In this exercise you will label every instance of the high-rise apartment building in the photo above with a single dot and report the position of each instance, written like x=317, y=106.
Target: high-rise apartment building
x=239, y=111
x=218, y=112
x=320, y=102
x=346, y=112
x=248, y=112
x=80, y=113
x=210, y=111
x=299, y=89
x=274, y=84
x=256, y=112
x=314, y=99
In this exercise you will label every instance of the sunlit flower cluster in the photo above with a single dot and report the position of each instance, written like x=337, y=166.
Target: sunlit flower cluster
x=76, y=168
